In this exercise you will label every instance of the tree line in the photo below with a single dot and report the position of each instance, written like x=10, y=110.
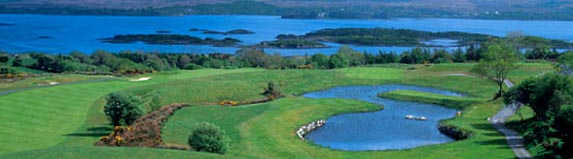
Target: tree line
x=130, y=62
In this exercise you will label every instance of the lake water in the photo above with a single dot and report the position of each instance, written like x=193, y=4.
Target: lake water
x=381, y=130
x=63, y=34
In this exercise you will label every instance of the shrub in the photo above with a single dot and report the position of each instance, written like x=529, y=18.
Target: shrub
x=122, y=107
x=271, y=91
x=193, y=66
x=209, y=138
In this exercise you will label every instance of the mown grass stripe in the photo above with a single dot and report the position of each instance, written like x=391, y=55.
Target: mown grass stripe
x=41, y=118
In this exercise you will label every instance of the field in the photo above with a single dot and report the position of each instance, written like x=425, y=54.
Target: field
x=64, y=121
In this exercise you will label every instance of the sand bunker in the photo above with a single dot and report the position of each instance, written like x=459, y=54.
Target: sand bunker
x=140, y=79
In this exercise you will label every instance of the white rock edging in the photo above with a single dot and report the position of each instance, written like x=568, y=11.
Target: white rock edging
x=303, y=130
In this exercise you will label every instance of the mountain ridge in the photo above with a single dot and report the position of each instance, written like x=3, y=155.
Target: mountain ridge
x=336, y=9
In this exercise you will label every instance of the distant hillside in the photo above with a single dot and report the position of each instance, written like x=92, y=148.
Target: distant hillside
x=355, y=9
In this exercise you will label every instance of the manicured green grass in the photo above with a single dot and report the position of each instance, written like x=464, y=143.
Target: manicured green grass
x=241, y=87
x=92, y=152
x=64, y=121
x=260, y=138
x=181, y=125
x=182, y=74
x=424, y=97
x=522, y=113
x=447, y=76
x=376, y=73
x=262, y=130
x=527, y=70
x=41, y=118
x=270, y=134
x=32, y=82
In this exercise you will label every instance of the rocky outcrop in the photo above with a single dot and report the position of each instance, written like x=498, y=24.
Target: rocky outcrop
x=454, y=132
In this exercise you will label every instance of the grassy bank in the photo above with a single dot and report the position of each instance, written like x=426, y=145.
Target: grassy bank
x=423, y=97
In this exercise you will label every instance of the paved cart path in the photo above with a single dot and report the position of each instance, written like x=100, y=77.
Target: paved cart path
x=514, y=139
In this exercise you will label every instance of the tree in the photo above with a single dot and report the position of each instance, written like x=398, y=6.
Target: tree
x=459, y=56
x=351, y=56
x=253, y=57
x=515, y=39
x=183, y=61
x=101, y=57
x=209, y=138
x=83, y=58
x=417, y=55
x=406, y=57
x=472, y=54
x=4, y=58
x=545, y=94
x=537, y=48
x=498, y=60
x=44, y=62
x=155, y=62
x=336, y=61
x=275, y=61
x=387, y=57
x=17, y=62
x=441, y=56
x=320, y=60
x=565, y=63
x=122, y=108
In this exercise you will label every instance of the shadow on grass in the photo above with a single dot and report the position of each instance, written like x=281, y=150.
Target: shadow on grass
x=89, y=134
x=492, y=134
x=500, y=140
x=493, y=142
x=487, y=127
x=100, y=128
x=93, y=132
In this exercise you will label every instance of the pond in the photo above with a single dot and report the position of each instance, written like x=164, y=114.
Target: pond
x=386, y=129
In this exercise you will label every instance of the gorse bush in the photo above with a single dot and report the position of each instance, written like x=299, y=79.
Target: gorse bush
x=209, y=138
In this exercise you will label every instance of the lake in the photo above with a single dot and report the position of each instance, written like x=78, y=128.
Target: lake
x=386, y=129
x=63, y=34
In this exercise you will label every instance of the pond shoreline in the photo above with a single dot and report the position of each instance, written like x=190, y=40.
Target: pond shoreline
x=387, y=129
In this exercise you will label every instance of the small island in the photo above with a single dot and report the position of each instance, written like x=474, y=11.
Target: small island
x=44, y=37
x=169, y=39
x=196, y=29
x=6, y=24
x=214, y=32
x=240, y=31
x=386, y=37
x=391, y=37
x=296, y=43
x=372, y=37
x=163, y=31
x=230, y=32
